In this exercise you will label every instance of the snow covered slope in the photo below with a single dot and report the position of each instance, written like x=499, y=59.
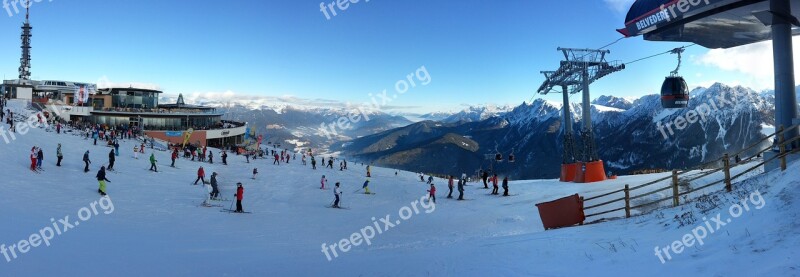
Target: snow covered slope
x=157, y=228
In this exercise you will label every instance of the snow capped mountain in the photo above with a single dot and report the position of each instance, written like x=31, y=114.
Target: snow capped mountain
x=613, y=101
x=477, y=113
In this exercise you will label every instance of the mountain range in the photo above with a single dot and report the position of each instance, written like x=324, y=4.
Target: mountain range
x=629, y=135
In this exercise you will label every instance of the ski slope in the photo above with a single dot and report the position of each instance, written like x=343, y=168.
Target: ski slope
x=158, y=228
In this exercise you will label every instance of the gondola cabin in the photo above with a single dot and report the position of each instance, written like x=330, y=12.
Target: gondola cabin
x=674, y=93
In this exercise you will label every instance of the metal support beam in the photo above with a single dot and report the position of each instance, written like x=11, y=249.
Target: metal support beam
x=785, y=98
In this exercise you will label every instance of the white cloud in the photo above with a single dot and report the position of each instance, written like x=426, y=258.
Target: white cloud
x=753, y=60
x=619, y=6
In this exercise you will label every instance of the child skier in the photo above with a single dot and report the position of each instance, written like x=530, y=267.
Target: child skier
x=337, y=193
x=153, y=161
x=201, y=174
x=366, y=187
x=136, y=152
x=174, y=157
x=39, y=158
x=432, y=192
x=368, y=171
x=255, y=172
x=101, y=179
x=33, y=158
x=322, y=182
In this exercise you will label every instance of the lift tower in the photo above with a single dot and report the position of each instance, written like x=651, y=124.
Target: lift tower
x=577, y=71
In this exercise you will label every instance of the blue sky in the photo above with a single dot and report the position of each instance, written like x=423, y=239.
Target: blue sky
x=477, y=52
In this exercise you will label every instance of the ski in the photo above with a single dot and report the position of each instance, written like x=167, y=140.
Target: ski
x=340, y=207
x=233, y=211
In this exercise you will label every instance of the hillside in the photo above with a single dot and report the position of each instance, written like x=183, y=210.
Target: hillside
x=156, y=226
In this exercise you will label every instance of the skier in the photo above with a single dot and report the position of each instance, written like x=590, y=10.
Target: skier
x=255, y=172
x=313, y=163
x=174, y=157
x=485, y=176
x=432, y=192
x=450, y=186
x=304, y=159
x=366, y=187
x=39, y=158
x=111, y=160
x=86, y=161
x=141, y=149
x=239, y=196
x=276, y=159
x=330, y=163
x=201, y=175
x=136, y=152
x=322, y=182
x=505, y=186
x=101, y=178
x=421, y=178
x=59, y=155
x=33, y=158
x=214, y=189
x=368, y=171
x=116, y=148
x=153, y=161
x=337, y=193
x=494, y=185
x=323, y=161
x=345, y=163
x=430, y=179
x=210, y=157
x=461, y=189
x=224, y=157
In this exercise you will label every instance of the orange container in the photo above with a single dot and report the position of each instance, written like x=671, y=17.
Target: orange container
x=568, y=172
x=595, y=172
x=562, y=212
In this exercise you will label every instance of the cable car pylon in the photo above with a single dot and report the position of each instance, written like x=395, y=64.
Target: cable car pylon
x=577, y=71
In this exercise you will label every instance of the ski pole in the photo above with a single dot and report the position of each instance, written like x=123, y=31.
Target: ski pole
x=231, y=208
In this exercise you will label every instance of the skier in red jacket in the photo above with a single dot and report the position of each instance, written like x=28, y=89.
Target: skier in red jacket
x=432, y=195
x=239, y=197
x=201, y=174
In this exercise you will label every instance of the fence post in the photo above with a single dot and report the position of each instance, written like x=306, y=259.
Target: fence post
x=727, y=168
x=627, y=202
x=675, y=188
x=582, y=210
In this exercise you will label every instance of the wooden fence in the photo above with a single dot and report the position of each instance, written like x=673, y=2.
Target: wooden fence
x=628, y=193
